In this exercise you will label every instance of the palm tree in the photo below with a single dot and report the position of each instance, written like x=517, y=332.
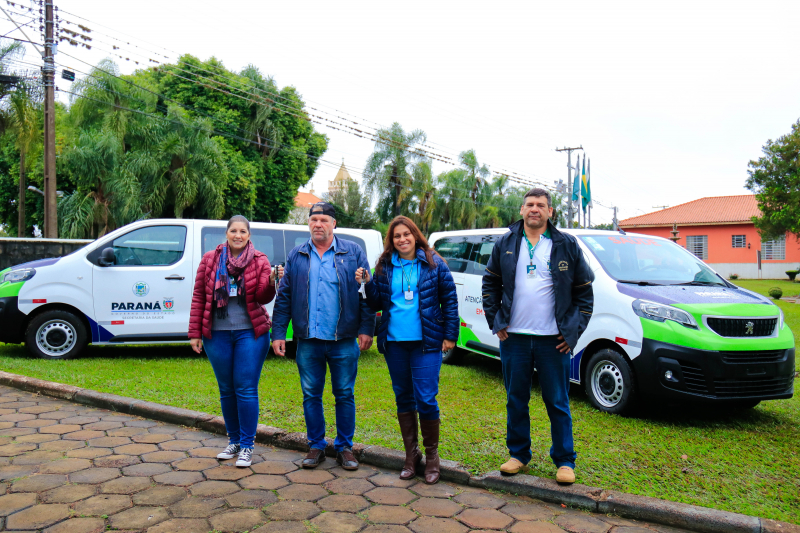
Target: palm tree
x=387, y=169
x=454, y=204
x=423, y=186
x=8, y=50
x=181, y=168
x=89, y=211
x=23, y=118
x=260, y=125
x=109, y=101
x=476, y=180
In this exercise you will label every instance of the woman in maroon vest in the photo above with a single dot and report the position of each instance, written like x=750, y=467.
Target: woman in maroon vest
x=228, y=319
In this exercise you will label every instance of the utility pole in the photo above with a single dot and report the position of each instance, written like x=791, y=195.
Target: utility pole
x=570, y=185
x=48, y=76
x=615, y=222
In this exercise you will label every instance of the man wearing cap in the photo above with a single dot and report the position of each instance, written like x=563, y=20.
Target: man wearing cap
x=331, y=322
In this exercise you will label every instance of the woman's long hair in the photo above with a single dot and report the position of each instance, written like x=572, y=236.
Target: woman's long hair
x=388, y=243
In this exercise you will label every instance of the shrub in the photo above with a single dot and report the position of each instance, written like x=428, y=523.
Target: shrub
x=776, y=292
x=792, y=274
x=733, y=276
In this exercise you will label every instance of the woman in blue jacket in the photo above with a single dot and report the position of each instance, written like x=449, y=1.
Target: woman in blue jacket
x=414, y=289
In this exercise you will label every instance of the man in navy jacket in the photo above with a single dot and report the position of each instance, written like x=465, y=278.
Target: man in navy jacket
x=538, y=299
x=319, y=294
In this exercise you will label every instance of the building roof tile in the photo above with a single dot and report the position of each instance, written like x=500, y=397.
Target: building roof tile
x=712, y=210
x=305, y=199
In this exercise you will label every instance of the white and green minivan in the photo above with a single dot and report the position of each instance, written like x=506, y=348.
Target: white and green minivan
x=664, y=323
x=132, y=286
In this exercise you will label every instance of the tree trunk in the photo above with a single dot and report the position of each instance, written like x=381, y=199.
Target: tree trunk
x=396, y=180
x=23, y=187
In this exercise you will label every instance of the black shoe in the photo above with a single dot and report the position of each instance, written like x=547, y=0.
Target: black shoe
x=347, y=459
x=314, y=458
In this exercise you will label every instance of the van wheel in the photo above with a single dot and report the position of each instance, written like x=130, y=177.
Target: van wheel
x=452, y=356
x=609, y=382
x=56, y=335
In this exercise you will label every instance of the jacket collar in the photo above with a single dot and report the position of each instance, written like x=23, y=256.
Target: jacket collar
x=395, y=259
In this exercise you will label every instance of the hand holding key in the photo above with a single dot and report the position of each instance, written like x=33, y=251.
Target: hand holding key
x=362, y=275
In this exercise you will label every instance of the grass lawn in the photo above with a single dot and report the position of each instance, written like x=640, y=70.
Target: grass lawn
x=745, y=462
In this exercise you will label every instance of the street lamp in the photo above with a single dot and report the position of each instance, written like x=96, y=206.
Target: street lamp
x=60, y=194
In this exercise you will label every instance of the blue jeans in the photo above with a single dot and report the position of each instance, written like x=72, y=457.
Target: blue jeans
x=519, y=353
x=313, y=356
x=415, y=377
x=237, y=358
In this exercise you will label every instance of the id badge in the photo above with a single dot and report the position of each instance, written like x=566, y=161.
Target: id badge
x=233, y=291
x=531, y=271
x=409, y=295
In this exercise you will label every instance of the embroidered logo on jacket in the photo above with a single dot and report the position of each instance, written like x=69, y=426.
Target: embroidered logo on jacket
x=563, y=266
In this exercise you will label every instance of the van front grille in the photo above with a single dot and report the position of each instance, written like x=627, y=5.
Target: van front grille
x=760, y=356
x=742, y=327
x=727, y=388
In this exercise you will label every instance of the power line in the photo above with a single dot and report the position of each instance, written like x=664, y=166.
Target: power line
x=434, y=155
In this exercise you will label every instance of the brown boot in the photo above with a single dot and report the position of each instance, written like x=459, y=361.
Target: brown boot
x=430, y=439
x=408, y=429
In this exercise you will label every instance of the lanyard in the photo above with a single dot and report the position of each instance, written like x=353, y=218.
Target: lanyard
x=532, y=248
x=408, y=277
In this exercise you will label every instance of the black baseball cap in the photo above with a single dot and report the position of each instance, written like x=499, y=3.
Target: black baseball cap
x=322, y=208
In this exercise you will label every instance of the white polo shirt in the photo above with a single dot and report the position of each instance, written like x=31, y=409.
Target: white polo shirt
x=533, y=308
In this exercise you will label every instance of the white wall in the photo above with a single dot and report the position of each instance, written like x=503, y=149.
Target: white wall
x=750, y=270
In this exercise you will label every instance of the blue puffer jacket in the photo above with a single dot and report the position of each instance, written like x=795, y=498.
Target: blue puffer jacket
x=438, y=303
x=291, y=303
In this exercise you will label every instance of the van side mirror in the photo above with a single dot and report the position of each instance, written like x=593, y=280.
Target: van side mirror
x=107, y=257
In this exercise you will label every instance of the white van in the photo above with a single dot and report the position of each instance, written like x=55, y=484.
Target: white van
x=132, y=286
x=664, y=323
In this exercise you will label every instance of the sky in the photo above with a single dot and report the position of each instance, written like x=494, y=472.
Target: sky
x=670, y=100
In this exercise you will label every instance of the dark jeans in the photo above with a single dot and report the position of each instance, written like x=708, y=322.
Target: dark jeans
x=415, y=377
x=313, y=356
x=237, y=358
x=519, y=353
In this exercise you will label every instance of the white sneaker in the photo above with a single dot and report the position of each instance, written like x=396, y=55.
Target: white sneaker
x=245, y=457
x=230, y=452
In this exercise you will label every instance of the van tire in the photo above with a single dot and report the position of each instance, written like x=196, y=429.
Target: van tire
x=609, y=382
x=56, y=334
x=452, y=356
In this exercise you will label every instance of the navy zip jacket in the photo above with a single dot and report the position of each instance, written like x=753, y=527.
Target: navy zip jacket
x=438, y=303
x=572, y=282
x=355, y=317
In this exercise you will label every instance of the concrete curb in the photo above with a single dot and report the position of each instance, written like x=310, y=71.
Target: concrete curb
x=691, y=517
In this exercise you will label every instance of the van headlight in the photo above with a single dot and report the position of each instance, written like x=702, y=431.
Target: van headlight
x=662, y=312
x=780, y=319
x=22, y=274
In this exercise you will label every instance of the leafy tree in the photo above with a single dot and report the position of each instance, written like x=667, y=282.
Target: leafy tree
x=775, y=180
x=609, y=227
x=423, y=188
x=388, y=168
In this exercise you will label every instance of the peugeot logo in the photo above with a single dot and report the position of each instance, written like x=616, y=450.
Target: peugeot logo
x=748, y=328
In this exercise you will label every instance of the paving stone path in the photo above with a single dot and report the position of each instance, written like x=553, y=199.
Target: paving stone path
x=69, y=468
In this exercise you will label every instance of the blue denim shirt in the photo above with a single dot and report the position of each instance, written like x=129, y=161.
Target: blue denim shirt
x=405, y=323
x=323, y=294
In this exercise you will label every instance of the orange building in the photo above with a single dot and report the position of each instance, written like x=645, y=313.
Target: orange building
x=720, y=231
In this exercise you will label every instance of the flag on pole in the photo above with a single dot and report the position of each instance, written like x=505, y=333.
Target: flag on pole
x=589, y=181
x=576, y=187
x=585, y=194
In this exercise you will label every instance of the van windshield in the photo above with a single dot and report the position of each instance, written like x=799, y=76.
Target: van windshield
x=630, y=259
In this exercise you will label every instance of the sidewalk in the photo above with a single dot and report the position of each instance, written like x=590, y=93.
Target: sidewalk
x=69, y=468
